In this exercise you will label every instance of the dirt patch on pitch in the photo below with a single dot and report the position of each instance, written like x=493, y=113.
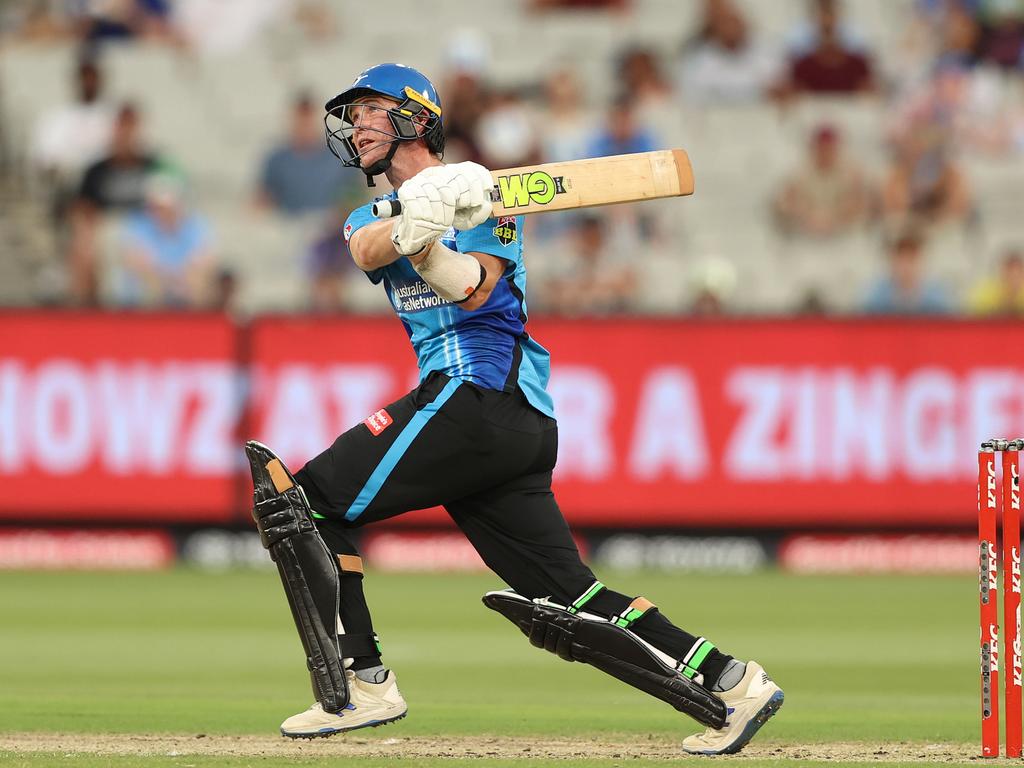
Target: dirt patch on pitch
x=496, y=747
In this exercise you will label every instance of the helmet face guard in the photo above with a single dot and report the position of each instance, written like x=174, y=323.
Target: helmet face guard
x=412, y=111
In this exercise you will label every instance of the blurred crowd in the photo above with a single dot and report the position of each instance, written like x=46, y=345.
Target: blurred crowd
x=92, y=162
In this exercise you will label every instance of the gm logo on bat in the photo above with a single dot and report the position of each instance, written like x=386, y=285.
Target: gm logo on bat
x=522, y=189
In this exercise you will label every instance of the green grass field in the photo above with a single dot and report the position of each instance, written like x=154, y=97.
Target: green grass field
x=869, y=664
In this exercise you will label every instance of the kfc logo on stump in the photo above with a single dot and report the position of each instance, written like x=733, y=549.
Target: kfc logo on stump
x=378, y=422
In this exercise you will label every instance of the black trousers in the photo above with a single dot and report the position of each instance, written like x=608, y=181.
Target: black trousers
x=486, y=456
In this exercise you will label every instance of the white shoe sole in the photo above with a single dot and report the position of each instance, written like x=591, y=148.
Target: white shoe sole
x=773, y=705
x=329, y=731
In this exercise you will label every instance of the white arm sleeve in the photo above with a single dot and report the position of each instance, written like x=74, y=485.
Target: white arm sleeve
x=454, y=276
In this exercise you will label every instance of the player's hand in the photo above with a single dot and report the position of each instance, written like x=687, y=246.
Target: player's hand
x=427, y=213
x=472, y=185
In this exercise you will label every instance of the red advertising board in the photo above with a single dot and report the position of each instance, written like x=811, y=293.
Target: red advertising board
x=661, y=423
x=117, y=417
x=781, y=423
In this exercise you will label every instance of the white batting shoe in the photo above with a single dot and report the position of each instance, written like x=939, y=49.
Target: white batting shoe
x=749, y=704
x=369, y=705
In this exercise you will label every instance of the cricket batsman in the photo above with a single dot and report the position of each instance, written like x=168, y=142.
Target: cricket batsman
x=477, y=436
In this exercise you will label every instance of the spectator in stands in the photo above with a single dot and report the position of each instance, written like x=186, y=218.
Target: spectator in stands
x=639, y=74
x=467, y=95
x=116, y=182
x=1002, y=34
x=805, y=36
x=567, y=129
x=125, y=20
x=566, y=123
x=90, y=21
x=598, y=279
x=932, y=13
x=722, y=64
x=936, y=101
x=707, y=303
x=924, y=186
x=704, y=32
x=33, y=21
x=166, y=250
x=506, y=133
x=622, y=132
x=906, y=290
x=622, y=135
x=828, y=196
x=960, y=36
x=830, y=66
x=712, y=282
x=463, y=109
x=942, y=34
x=70, y=137
x=113, y=184
x=328, y=263
x=1001, y=295
x=812, y=303
x=972, y=105
x=225, y=292
x=300, y=175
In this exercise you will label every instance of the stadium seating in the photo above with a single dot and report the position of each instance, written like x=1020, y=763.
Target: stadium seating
x=217, y=115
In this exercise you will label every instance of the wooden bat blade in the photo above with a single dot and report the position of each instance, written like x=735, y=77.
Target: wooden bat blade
x=583, y=183
x=591, y=182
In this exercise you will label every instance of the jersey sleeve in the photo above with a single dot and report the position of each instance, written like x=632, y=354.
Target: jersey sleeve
x=358, y=219
x=501, y=236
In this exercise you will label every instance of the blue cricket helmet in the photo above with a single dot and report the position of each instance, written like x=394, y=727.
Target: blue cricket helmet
x=417, y=100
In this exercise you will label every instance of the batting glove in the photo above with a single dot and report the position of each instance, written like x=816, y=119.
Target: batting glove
x=472, y=185
x=427, y=213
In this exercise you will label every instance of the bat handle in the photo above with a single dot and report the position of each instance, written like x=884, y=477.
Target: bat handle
x=385, y=209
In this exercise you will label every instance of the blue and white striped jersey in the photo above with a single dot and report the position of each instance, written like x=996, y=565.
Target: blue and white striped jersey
x=489, y=346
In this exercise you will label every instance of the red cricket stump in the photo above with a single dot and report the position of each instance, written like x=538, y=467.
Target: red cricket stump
x=1011, y=596
x=988, y=502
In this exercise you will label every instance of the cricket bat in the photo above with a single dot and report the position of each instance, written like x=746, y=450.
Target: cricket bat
x=582, y=183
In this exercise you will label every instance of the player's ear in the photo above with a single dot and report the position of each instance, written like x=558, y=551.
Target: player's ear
x=420, y=121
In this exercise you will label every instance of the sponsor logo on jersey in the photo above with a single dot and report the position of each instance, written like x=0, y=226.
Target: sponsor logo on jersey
x=521, y=189
x=378, y=422
x=348, y=232
x=506, y=230
x=415, y=296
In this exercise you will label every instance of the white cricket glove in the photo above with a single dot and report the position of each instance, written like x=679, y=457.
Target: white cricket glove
x=428, y=211
x=472, y=184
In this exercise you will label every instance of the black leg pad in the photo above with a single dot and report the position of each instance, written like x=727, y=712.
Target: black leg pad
x=307, y=568
x=615, y=651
